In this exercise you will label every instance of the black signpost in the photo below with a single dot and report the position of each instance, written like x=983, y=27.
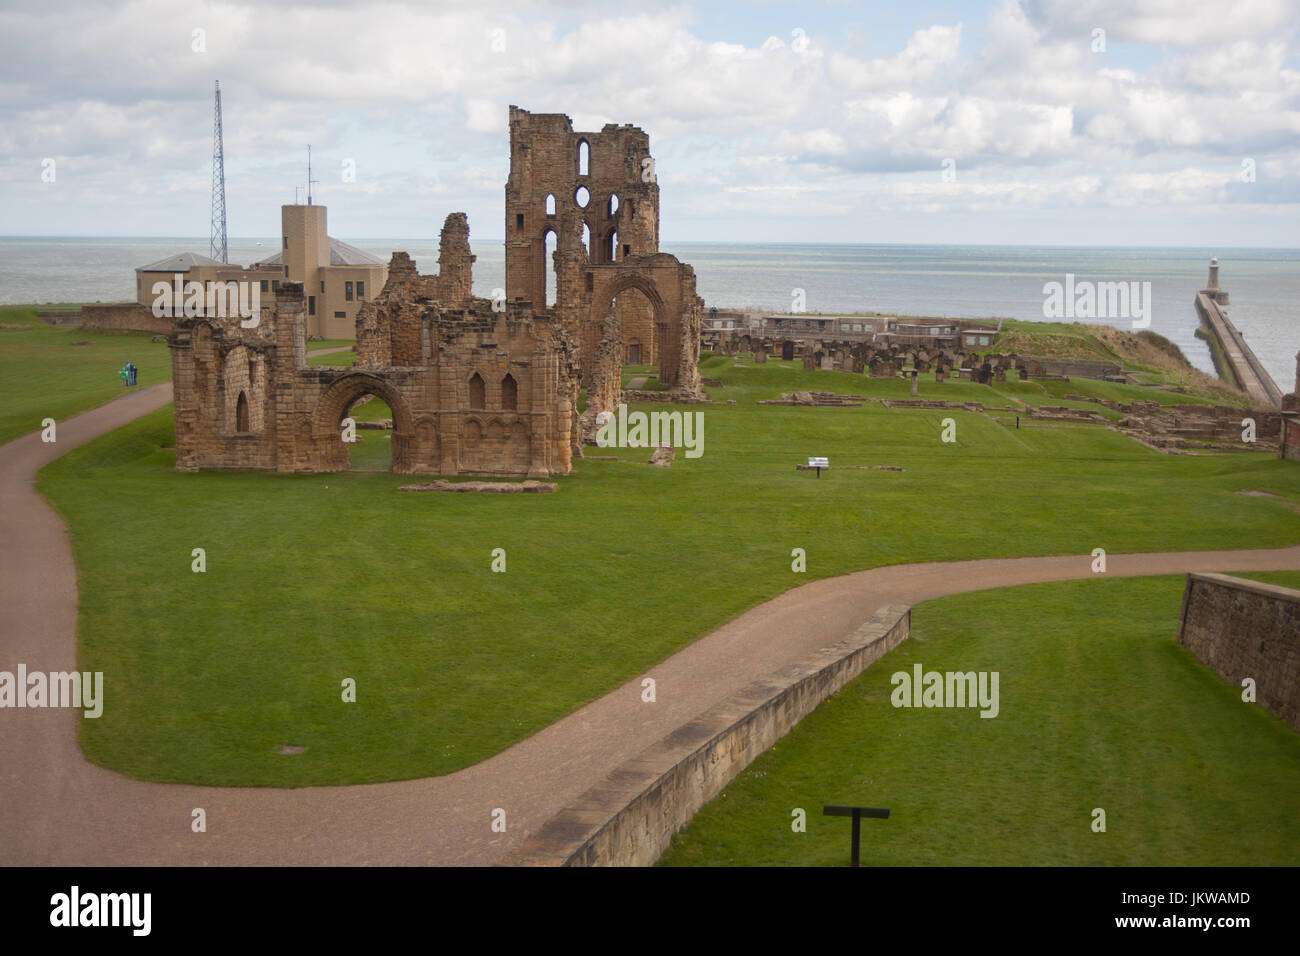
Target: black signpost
x=857, y=813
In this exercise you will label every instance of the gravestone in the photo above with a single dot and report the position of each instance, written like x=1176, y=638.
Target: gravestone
x=914, y=389
x=760, y=357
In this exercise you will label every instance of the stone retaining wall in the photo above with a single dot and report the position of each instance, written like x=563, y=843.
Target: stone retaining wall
x=124, y=317
x=1240, y=629
x=629, y=818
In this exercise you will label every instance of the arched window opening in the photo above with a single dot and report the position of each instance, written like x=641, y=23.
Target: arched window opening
x=550, y=204
x=613, y=246
x=550, y=268
x=586, y=239
x=241, y=413
x=509, y=393
x=613, y=204
x=477, y=393
x=584, y=158
x=581, y=197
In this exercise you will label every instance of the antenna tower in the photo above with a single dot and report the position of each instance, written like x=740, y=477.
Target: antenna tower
x=310, y=181
x=218, y=241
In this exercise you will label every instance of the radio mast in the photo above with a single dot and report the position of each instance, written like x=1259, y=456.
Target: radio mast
x=218, y=242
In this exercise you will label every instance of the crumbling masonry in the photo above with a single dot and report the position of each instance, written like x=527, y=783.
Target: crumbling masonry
x=476, y=386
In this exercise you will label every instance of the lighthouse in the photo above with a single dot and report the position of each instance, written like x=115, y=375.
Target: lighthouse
x=1212, y=289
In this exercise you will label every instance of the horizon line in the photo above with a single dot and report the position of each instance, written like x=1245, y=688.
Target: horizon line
x=733, y=242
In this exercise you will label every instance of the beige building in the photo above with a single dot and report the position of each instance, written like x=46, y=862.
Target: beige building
x=336, y=277
x=192, y=267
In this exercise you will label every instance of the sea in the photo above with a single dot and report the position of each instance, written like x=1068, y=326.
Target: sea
x=931, y=280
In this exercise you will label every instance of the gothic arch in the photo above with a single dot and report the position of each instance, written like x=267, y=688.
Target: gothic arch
x=331, y=452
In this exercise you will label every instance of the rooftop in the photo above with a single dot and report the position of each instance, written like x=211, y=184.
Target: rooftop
x=341, y=254
x=181, y=262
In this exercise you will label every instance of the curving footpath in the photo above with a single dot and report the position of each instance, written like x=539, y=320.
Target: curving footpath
x=57, y=808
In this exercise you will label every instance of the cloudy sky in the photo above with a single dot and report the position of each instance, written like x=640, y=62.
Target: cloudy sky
x=1146, y=122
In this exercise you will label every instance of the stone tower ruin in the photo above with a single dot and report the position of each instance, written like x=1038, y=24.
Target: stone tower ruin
x=595, y=199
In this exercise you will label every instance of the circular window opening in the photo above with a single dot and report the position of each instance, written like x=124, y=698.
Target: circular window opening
x=582, y=197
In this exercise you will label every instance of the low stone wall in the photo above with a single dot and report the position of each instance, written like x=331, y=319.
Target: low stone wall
x=1289, y=446
x=123, y=317
x=60, y=316
x=629, y=818
x=1240, y=629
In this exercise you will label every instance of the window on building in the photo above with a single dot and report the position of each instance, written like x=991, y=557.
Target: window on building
x=241, y=413
x=519, y=221
x=477, y=393
x=361, y=291
x=311, y=305
x=286, y=272
x=275, y=285
x=627, y=250
x=509, y=393
x=340, y=315
x=584, y=158
x=264, y=285
x=286, y=242
x=550, y=205
x=347, y=292
x=322, y=287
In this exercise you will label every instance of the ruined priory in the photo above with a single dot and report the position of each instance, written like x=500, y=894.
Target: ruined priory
x=476, y=386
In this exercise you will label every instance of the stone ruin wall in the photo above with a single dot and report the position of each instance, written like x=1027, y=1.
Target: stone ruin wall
x=473, y=391
x=1239, y=629
x=619, y=271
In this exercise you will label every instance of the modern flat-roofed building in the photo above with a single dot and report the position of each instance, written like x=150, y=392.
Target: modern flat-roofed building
x=336, y=277
x=192, y=267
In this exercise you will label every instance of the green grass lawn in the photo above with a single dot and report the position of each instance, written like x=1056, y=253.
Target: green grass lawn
x=43, y=375
x=1098, y=707
x=315, y=578
x=373, y=450
x=336, y=358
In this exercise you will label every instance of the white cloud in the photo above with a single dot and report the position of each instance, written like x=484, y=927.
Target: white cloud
x=418, y=95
